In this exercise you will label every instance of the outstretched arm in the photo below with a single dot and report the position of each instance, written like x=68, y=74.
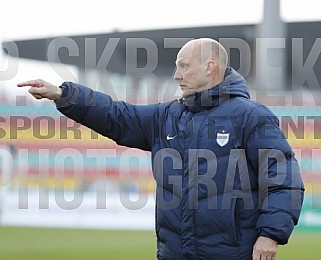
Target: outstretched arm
x=42, y=89
x=127, y=124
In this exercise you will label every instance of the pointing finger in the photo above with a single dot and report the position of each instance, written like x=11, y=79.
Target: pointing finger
x=32, y=83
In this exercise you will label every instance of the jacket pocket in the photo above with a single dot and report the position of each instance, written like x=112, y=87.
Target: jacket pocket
x=235, y=217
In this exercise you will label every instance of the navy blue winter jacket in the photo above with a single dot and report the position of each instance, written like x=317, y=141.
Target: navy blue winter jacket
x=225, y=173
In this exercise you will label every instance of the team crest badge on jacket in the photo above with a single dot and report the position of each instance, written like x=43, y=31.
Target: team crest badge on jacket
x=222, y=138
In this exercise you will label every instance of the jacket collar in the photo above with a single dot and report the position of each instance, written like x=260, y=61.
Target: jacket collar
x=233, y=85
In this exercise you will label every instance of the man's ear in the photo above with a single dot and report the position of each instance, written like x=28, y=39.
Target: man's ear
x=211, y=65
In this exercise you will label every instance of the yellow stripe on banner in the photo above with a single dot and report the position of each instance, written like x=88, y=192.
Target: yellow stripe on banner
x=84, y=135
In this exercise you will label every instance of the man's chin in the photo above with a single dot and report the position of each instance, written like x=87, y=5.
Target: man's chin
x=186, y=93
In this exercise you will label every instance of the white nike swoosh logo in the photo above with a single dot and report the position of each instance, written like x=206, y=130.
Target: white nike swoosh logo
x=170, y=137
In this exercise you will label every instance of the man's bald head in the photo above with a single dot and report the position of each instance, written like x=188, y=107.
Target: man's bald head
x=209, y=49
x=200, y=64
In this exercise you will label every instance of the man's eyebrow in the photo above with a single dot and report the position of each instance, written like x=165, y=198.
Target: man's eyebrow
x=181, y=61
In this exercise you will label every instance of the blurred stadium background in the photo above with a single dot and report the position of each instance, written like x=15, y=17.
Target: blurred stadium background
x=68, y=193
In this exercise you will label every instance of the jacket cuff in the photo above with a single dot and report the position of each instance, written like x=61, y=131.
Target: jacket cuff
x=264, y=233
x=68, y=95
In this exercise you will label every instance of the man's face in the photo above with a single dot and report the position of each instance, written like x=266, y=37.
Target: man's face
x=190, y=70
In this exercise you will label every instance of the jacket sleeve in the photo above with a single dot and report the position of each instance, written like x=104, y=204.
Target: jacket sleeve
x=280, y=186
x=126, y=124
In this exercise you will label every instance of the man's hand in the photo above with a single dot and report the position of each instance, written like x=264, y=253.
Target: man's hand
x=264, y=249
x=42, y=89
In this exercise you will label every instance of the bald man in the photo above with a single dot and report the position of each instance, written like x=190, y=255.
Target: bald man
x=228, y=184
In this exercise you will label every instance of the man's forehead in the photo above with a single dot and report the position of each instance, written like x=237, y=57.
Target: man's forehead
x=187, y=52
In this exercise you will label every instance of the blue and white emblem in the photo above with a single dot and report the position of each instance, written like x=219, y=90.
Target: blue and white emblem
x=222, y=138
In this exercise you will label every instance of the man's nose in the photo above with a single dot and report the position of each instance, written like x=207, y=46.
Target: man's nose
x=177, y=75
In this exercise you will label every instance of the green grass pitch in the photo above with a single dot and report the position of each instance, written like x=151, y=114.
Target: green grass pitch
x=49, y=243
x=74, y=244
